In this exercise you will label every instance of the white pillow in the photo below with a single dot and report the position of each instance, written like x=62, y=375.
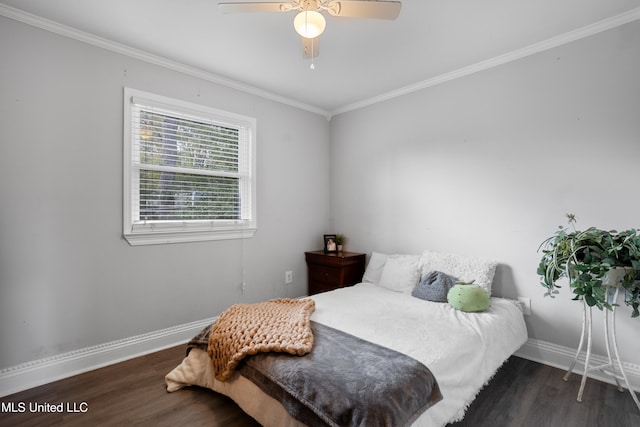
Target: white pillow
x=466, y=269
x=374, y=269
x=401, y=273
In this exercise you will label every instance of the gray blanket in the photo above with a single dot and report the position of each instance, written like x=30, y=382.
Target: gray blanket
x=345, y=381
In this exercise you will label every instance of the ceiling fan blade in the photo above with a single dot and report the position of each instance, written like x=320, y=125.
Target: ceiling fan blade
x=255, y=7
x=310, y=47
x=365, y=9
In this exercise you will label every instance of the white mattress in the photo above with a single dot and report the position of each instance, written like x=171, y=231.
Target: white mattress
x=463, y=350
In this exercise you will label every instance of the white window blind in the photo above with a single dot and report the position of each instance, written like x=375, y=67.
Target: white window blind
x=190, y=171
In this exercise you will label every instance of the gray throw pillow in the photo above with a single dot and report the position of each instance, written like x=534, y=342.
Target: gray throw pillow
x=434, y=286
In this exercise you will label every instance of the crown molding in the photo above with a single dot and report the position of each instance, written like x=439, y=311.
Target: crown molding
x=580, y=33
x=586, y=31
x=72, y=33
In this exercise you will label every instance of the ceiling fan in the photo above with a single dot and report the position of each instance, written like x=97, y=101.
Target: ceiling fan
x=310, y=23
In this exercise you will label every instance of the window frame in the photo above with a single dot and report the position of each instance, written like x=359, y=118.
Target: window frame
x=160, y=232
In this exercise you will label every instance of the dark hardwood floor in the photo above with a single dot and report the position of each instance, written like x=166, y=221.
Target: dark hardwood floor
x=130, y=393
x=525, y=393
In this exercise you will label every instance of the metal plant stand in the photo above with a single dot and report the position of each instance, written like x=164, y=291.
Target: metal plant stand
x=610, y=339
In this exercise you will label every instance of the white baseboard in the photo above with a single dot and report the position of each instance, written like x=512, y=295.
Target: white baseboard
x=561, y=357
x=38, y=372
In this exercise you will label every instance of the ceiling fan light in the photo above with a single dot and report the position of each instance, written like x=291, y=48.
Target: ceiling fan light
x=309, y=23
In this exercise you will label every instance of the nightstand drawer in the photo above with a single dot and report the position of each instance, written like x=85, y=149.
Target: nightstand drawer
x=324, y=274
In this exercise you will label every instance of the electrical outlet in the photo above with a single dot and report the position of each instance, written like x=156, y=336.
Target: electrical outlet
x=288, y=277
x=525, y=305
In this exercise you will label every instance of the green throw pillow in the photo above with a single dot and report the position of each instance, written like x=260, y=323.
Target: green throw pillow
x=468, y=297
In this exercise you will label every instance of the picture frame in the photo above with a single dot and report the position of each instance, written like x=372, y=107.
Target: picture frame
x=330, y=244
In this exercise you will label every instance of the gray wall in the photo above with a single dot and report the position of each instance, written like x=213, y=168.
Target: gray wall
x=488, y=165
x=474, y=166
x=68, y=280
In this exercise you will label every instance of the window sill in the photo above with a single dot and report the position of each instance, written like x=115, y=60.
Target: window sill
x=166, y=237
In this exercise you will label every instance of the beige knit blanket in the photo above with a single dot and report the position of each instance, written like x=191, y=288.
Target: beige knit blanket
x=280, y=325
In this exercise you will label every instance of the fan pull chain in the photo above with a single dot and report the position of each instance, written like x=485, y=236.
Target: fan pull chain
x=312, y=66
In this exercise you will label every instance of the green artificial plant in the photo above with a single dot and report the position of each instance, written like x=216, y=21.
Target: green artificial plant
x=585, y=257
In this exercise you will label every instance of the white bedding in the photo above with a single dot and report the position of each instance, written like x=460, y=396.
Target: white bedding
x=462, y=350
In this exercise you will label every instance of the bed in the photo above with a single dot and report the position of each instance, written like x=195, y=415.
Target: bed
x=463, y=350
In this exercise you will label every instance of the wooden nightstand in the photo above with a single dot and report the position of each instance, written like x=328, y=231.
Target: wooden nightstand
x=334, y=270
